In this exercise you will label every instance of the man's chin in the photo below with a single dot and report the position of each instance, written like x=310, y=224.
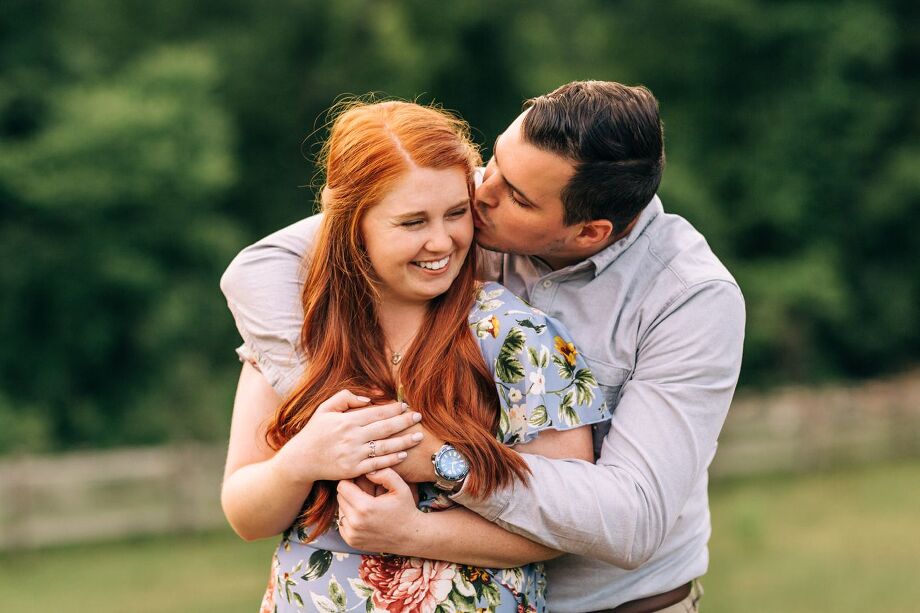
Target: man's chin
x=484, y=243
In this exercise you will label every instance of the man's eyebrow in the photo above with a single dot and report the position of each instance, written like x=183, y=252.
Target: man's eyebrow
x=415, y=214
x=495, y=157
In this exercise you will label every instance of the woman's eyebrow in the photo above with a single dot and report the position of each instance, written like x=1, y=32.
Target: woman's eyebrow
x=414, y=214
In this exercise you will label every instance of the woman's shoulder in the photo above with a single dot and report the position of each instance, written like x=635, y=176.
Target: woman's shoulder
x=494, y=300
x=499, y=317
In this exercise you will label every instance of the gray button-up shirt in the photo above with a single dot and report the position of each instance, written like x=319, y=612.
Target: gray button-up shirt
x=661, y=323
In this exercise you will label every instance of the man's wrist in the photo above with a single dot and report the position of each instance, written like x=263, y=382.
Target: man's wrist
x=419, y=536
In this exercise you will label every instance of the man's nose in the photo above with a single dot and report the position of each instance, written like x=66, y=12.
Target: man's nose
x=487, y=192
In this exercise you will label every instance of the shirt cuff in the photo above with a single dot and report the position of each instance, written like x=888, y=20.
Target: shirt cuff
x=491, y=507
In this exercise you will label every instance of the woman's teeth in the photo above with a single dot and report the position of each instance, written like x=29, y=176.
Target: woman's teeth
x=438, y=265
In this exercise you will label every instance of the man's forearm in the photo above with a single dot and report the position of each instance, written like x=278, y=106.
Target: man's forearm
x=461, y=536
x=662, y=438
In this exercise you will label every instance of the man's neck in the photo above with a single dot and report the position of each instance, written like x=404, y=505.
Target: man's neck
x=559, y=260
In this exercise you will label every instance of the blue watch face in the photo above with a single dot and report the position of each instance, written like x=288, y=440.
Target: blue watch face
x=452, y=465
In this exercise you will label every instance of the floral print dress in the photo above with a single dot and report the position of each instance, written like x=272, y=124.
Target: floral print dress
x=542, y=383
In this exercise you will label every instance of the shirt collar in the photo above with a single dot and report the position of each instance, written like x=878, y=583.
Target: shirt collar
x=603, y=258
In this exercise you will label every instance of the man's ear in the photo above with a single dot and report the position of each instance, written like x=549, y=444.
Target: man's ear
x=594, y=233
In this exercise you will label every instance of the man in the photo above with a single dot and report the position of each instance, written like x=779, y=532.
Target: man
x=568, y=198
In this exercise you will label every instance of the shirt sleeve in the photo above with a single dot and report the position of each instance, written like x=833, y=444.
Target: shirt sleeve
x=263, y=287
x=661, y=441
x=542, y=381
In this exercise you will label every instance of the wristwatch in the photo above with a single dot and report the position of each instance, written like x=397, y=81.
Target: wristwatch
x=450, y=468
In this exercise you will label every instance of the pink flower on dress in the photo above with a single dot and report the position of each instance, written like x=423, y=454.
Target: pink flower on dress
x=407, y=585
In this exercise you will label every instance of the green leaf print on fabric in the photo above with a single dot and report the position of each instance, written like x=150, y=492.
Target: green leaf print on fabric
x=318, y=565
x=361, y=589
x=566, y=371
x=503, y=424
x=585, y=383
x=324, y=604
x=567, y=411
x=507, y=366
x=527, y=323
x=539, y=417
x=337, y=593
x=539, y=358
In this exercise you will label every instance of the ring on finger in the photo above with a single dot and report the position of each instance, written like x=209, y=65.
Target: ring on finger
x=373, y=452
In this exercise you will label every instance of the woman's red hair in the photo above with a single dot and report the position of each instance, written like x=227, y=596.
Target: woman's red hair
x=370, y=147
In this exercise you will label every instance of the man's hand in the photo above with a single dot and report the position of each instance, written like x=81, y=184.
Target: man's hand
x=385, y=522
x=417, y=466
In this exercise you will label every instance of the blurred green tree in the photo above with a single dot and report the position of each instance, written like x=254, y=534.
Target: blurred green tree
x=142, y=144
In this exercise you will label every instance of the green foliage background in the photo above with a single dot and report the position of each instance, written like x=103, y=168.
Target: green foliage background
x=143, y=144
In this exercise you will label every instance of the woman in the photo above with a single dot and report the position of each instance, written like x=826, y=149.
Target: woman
x=392, y=310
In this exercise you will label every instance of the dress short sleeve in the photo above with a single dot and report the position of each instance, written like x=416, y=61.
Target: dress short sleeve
x=542, y=380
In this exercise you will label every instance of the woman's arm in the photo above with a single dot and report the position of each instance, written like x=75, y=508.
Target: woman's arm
x=575, y=444
x=264, y=490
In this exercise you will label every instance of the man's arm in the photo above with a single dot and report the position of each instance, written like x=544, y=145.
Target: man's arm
x=391, y=522
x=263, y=289
x=662, y=439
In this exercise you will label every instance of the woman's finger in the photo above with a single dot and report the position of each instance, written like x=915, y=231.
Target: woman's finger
x=371, y=414
x=370, y=465
x=394, y=444
x=385, y=428
x=342, y=401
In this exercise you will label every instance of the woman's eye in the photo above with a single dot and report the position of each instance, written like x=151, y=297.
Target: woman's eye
x=458, y=213
x=412, y=224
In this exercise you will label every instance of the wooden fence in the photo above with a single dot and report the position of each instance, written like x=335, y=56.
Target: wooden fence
x=91, y=496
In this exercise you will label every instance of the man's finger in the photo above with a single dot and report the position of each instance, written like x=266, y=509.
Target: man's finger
x=342, y=401
x=385, y=428
x=388, y=478
x=351, y=493
x=376, y=413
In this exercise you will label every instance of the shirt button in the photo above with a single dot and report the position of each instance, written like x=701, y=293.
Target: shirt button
x=547, y=284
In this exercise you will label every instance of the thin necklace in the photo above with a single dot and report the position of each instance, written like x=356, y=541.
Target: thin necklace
x=397, y=356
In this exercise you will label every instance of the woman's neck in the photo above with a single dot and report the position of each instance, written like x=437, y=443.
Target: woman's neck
x=399, y=323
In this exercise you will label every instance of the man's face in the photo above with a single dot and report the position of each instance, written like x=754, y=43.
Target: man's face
x=518, y=206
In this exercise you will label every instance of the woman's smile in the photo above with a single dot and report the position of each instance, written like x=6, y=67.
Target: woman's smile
x=433, y=266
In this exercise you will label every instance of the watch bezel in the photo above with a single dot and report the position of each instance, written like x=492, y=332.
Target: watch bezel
x=442, y=481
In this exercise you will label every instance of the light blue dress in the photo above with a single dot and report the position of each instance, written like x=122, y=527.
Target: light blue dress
x=542, y=383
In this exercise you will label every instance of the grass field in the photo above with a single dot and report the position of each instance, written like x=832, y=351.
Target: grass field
x=847, y=541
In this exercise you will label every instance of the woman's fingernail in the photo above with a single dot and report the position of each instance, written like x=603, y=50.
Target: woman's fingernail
x=416, y=417
x=405, y=407
x=363, y=398
x=417, y=436
x=402, y=455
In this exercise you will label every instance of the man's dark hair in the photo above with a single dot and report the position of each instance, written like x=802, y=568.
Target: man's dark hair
x=614, y=137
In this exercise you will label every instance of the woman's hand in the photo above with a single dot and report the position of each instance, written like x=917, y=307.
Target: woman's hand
x=347, y=437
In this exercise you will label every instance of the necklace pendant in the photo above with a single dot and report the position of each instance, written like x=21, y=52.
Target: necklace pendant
x=397, y=358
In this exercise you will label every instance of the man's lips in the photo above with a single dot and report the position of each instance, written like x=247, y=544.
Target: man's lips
x=478, y=221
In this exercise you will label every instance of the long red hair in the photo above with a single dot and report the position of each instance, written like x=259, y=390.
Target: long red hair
x=443, y=373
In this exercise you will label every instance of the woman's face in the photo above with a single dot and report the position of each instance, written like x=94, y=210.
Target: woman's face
x=418, y=236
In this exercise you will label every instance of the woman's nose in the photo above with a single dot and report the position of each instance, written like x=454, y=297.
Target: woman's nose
x=439, y=240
